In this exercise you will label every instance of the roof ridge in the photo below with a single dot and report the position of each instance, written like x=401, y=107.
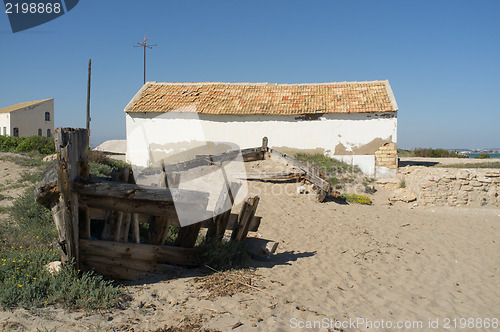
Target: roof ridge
x=24, y=104
x=263, y=83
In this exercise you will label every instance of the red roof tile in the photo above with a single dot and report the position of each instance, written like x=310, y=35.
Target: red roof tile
x=265, y=98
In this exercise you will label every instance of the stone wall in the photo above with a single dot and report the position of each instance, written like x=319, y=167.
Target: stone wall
x=387, y=156
x=453, y=187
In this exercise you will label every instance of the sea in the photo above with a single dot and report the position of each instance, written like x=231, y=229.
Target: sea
x=492, y=155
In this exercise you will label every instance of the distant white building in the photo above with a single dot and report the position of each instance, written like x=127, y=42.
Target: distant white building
x=33, y=118
x=355, y=122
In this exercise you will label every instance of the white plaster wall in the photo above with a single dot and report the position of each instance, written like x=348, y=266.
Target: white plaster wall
x=350, y=130
x=32, y=118
x=4, y=123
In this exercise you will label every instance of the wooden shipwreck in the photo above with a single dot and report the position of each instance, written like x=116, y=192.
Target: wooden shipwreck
x=98, y=221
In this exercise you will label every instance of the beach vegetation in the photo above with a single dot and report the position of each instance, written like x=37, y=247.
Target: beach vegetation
x=483, y=156
x=223, y=255
x=430, y=153
x=40, y=144
x=28, y=241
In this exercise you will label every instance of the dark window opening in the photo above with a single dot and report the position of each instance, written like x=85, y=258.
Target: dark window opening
x=47, y=116
x=48, y=132
x=15, y=132
x=39, y=132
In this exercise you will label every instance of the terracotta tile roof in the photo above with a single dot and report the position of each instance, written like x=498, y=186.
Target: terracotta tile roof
x=265, y=98
x=9, y=109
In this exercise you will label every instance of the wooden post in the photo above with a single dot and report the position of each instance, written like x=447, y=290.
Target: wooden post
x=88, y=102
x=71, y=146
x=246, y=215
x=264, y=144
x=188, y=235
x=135, y=228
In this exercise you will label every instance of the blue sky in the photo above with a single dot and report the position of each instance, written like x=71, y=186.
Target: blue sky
x=441, y=57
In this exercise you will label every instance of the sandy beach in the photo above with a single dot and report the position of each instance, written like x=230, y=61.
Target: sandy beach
x=337, y=267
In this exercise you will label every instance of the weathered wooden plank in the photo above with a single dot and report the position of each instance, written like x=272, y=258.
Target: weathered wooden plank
x=233, y=219
x=148, y=252
x=145, y=206
x=135, y=192
x=246, y=215
x=250, y=154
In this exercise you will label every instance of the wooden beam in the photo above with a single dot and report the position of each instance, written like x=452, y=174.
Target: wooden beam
x=148, y=252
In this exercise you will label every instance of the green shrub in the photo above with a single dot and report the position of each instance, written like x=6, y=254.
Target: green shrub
x=43, y=145
x=224, y=255
x=483, y=156
x=9, y=143
x=26, y=283
x=98, y=169
x=437, y=153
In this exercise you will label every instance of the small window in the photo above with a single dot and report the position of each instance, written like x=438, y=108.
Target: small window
x=39, y=132
x=15, y=132
x=48, y=133
x=47, y=117
x=4, y=132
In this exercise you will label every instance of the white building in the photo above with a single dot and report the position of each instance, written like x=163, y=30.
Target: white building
x=34, y=118
x=352, y=121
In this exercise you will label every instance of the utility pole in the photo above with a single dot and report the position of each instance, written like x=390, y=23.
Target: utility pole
x=144, y=45
x=88, y=100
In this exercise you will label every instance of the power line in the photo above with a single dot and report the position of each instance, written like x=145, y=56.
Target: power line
x=144, y=45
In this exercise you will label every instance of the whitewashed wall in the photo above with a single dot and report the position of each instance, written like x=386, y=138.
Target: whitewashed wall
x=354, y=132
x=5, y=124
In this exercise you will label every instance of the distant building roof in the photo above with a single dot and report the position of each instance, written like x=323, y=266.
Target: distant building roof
x=9, y=109
x=265, y=98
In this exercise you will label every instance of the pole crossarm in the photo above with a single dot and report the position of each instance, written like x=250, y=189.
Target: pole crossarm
x=144, y=45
